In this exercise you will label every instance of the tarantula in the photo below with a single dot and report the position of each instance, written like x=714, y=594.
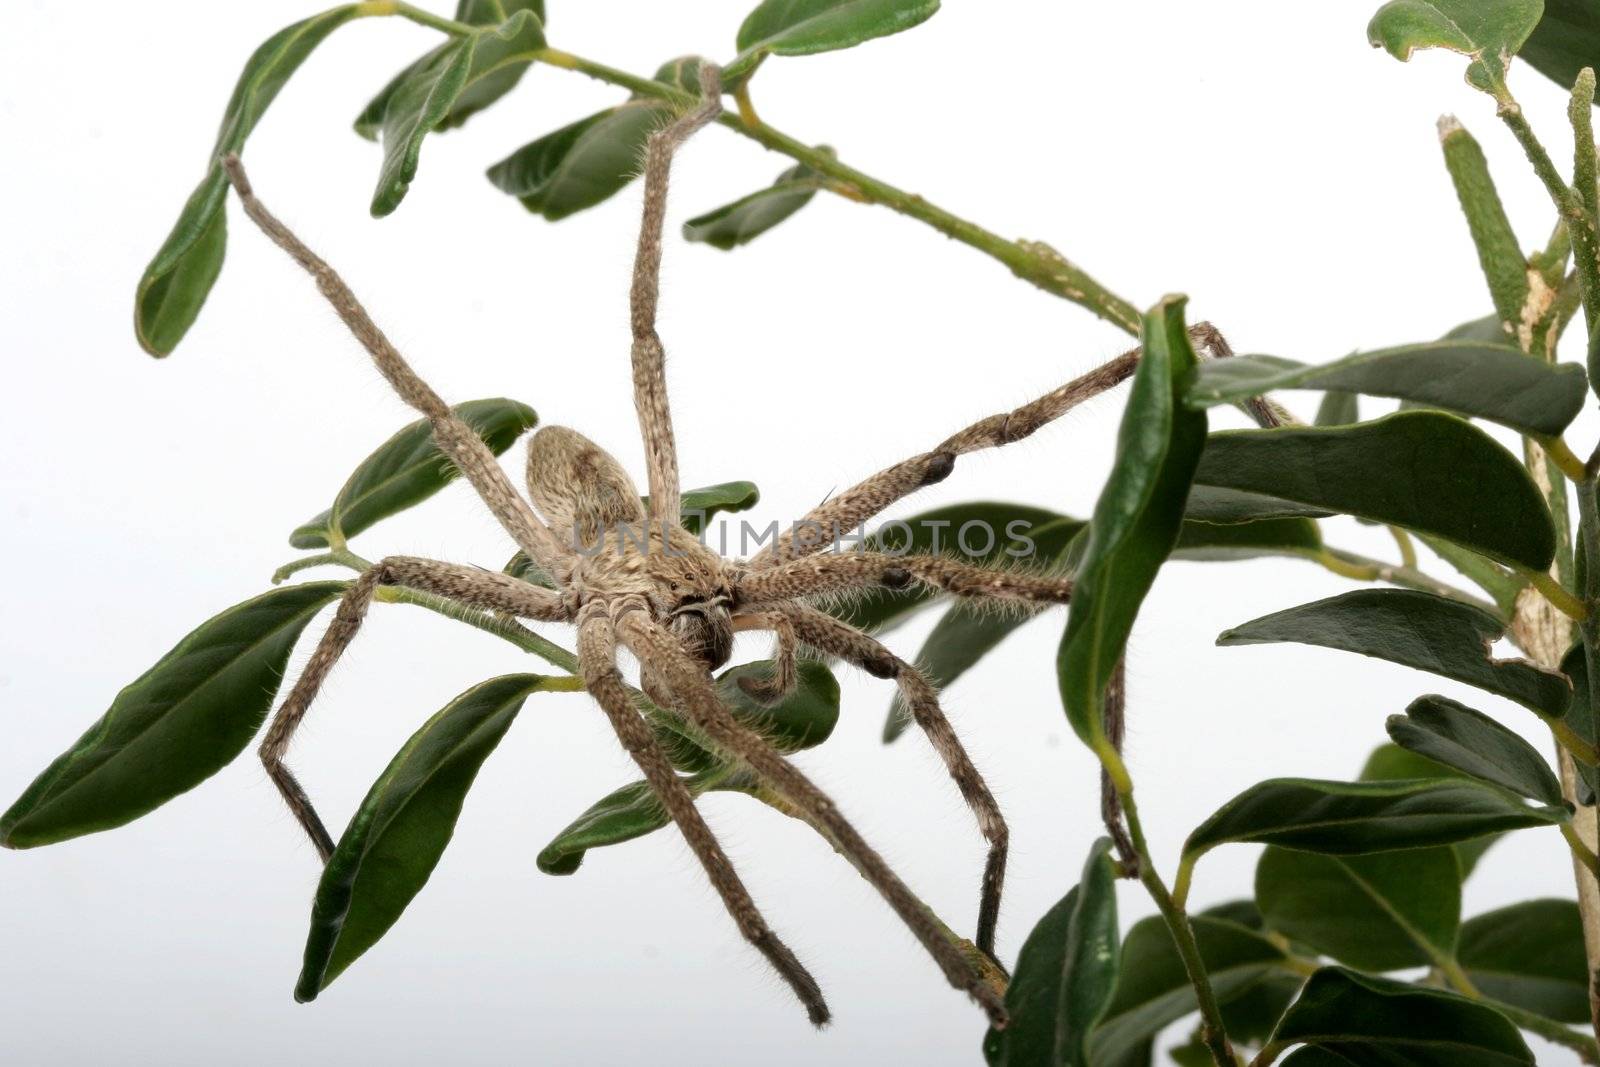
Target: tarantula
x=675, y=604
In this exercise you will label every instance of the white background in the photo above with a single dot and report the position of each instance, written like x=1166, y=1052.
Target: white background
x=1259, y=157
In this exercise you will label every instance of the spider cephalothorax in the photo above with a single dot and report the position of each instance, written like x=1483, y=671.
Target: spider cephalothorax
x=629, y=576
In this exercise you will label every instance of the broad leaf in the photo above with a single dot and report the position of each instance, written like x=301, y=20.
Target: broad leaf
x=423, y=100
x=1530, y=955
x=1390, y=763
x=697, y=507
x=402, y=827
x=1489, y=33
x=1360, y=1021
x=1136, y=520
x=409, y=468
x=1494, y=382
x=1214, y=504
x=1065, y=974
x=805, y=27
x=179, y=278
x=1470, y=741
x=1416, y=629
x=1347, y=818
x=582, y=164
x=1379, y=912
x=1423, y=470
x=747, y=218
x=1566, y=40
x=183, y=720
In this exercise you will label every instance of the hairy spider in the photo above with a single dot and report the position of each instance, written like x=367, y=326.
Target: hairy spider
x=675, y=604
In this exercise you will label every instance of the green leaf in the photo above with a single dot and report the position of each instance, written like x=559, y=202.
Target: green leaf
x=1493, y=382
x=423, y=100
x=408, y=468
x=1415, y=629
x=621, y=815
x=1338, y=409
x=1470, y=741
x=1209, y=503
x=1502, y=586
x=742, y=221
x=806, y=27
x=403, y=825
x=1064, y=976
x=179, y=278
x=1566, y=40
x=697, y=507
x=183, y=720
x=1153, y=989
x=1489, y=33
x=1530, y=955
x=1500, y=256
x=1390, y=762
x=476, y=96
x=1379, y=912
x=1137, y=519
x=1578, y=716
x=1423, y=470
x=1360, y=1021
x=1248, y=540
x=1348, y=818
x=581, y=164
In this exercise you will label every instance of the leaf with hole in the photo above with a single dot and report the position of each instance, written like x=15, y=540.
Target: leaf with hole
x=1474, y=744
x=1530, y=955
x=1423, y=470
x=179, y=723
x=747, y=218
x=407, y=469
x=1489, y=34
x=401, y=829
x=806, y=27
x=581, y=164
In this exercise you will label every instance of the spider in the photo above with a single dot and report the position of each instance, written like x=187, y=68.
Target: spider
x=675, y=604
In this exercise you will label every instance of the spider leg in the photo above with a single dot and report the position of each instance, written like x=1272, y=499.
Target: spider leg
x=842, y=571
x=830, y=635
x=465, y=585
x=649, y=371
x=454, y=437
x=691, y=683
x=597, y=652
x=771, y=690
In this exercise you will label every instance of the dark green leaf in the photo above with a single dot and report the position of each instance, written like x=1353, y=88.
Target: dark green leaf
x=1390, y=762
x=1423, y=470
x=621, y=815
x=1579, y=717
x=1470, y=741
x=1153, y=989
x=1493, y=382
x=1360, y=1021
x=1488, y=330
x=1338, y=409
x=1252, y=1015
x=699, y=506
x=408, y=468
x=1490, y=34
x=1566, y=40
x=1209, y=503
x=581, y=164
x=183, y=720
x=1501, y=585
x=742, y=221
x=179, y=278
x=1064, y=976
x=1416, y=629
x=1530, y=955
x=805, y=27
x=1345, y=818
x=1379, y=912
x=423, y=100
x=1137, y=519
x=402, y=827
x=1248, y=540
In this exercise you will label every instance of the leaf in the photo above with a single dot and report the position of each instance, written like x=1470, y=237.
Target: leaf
x=747, y=218
x=581, y=164
x=1530, y=955
x=697, y=507
x=621, y=815
x=401, y=829
x=423, y=100
x=1338, y=409
x=1359, y=1021
x=1500, y=256
x=1493, y=382
x=1423, y=470
x=1064, y=976
x=1346, y=818
x=1390, y=762
x=1501, y=585
x=1578, y=716
x=1153, y=988
x=1248, y=540
x=175, y=284
x=1489, y=33
x=179, y=723
x=1379, y=912
x=1566, y=40
x=1415, y=629
x=408, y=468
x=476, y=96
x=806, y=27
x=1137, y=519
x=1209, y=503
x=1470, y=741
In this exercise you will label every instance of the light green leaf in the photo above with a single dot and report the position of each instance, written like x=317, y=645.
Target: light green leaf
x=742, y=221
x=581, y=164
x=409, y=468
x=401, y=829
x=1489, y=33
x=1500, y=256
x=1422, y=470
x=1457, y=736
x=1530, y=955
x=805, y=27
x=183, y=720
x=1416, y=629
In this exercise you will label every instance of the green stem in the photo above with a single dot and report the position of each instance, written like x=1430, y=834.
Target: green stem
x=429, y=19
x=1585, y=855
x=1586, y=1047
x=1408, y=551
x=1366, y=569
